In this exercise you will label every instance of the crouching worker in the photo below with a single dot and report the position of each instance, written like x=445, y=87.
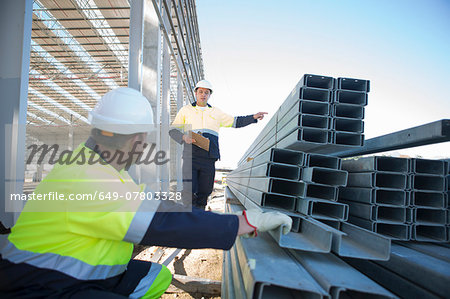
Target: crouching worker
x=82, y=248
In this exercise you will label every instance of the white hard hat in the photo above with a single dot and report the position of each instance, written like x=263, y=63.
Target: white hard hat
x=124, y=111
x=204, y=84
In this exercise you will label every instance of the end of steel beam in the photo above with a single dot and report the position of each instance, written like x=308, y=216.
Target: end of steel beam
x=314, y=108
x=264, y=278
x=426, y=166
x=321, y=191
x=286, y=187
x=310, y=236
x=353, y=241
x=326, y=176
x=322, y=209
x=317, y=160
x=362, y=243
x=390, y=214
x=429, y=199
x=286, y=156
x=278, y=201
x=306, y=234
x=429, y=233
x=317, y=81
x=347, y=110
x=429, y=216
x=353, y=84
x=315, y=94
x=348, y=125
x=427, y=182
x=347, y=139
x=394, y=231
x=350, y=97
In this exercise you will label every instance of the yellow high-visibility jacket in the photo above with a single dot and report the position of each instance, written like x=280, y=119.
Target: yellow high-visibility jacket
x=207, y=121
x=87, y=239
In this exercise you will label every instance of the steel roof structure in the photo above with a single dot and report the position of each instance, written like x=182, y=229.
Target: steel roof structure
x=80, y=50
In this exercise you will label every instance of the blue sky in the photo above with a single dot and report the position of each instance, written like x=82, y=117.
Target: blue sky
x=255, y=52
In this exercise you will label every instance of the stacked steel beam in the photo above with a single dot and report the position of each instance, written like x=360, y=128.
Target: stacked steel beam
x=304, y=120
x=271, y=179
x=287, y=168
x=322, y=176
x=305, y=186
x=347, y=110
x=448, y=198
x=260, y=268
x=414, y=270
x=321, y=114
x=428, y=200
x=401, y=198
x=293, y=181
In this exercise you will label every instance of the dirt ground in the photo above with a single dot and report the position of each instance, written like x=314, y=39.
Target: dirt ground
x=198, y=263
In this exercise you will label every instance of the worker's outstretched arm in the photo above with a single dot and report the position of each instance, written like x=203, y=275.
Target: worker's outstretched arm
x=200, y=229
x=196, y=229
x=242, y=121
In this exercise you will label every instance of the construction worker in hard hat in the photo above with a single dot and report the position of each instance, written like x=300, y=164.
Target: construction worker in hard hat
x=82, y=249
x=201, y=117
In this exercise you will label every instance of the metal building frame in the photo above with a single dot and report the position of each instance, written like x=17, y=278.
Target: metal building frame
x=74, y=51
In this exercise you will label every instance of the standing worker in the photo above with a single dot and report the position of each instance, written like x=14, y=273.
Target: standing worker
x=82, y=249
x=201, y=117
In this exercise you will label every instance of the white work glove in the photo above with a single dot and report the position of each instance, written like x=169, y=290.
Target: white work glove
x=265, y=221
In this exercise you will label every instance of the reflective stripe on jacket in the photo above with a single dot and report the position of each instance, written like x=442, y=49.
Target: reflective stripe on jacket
x=86, y=239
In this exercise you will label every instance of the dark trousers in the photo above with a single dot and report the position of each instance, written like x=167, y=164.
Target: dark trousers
x=26, y=281
x=198, y=179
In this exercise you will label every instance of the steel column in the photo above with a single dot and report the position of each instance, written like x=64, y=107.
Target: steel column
x=180, y=104
x=15, y=41
x=165, y=109
x=135, y=52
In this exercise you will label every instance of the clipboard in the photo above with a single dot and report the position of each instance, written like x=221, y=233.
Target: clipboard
x=200, y=141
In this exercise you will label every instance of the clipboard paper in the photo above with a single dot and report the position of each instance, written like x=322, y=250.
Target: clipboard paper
x=200, y=141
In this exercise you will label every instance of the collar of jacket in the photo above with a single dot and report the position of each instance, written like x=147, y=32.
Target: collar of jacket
x=195, y=104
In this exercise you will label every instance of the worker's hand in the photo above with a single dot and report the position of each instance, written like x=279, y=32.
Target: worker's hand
x=188, y=139
x=259, y=115
x=265, y=221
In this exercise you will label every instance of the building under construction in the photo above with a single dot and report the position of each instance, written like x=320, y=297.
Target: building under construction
x=372, y=226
